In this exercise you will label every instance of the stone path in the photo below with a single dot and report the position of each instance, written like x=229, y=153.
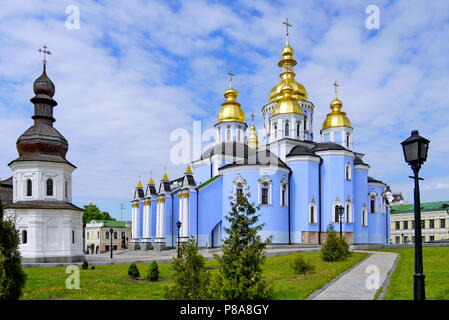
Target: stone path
x=361, y=282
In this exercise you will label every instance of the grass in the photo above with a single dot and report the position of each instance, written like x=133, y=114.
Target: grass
x=436, y=269
x=112, y=282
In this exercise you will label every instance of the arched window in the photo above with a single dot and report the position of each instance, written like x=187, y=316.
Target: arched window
x=284, y=192
x=373, y=205
x=66, y=191
x=348, y=171
x=73, y=236
x=106, y=235
x=264, y=190
x=115, y=235
x=298, y=125
x=239, y=188
x=49, y=187
x=24, y=237
x=313, y=216
x=347, y=139
x=349, y=213
x=275, y=130
x=29, y=188
x=364, y=217
x=305, y=122
x=228, y=135
x=219, y=134
x=287, y=129
x=123, y=235
x=335, y=215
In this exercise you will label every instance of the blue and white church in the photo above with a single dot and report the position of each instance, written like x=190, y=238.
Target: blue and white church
x=297, y=182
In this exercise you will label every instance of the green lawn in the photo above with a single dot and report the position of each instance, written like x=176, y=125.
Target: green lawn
x=112, y=282
x=436, y=269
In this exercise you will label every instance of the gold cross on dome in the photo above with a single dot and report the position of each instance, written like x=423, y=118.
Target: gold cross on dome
x=45, y=52
x=252, y=117
x=231, y=75
x=336, y=85
x=287, y=25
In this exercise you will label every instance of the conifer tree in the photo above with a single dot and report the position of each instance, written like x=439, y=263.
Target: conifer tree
x=240, y=267
x=12, y=277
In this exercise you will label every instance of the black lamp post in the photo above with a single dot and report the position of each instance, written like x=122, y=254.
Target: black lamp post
x=110, y=234
x=178, y=224
x=415, y=150
x=340, y=210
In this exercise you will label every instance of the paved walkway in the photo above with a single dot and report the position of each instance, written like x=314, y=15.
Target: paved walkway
x=361, y=282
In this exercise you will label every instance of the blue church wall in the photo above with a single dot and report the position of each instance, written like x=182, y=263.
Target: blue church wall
x=153, y=218
x=304, y=188
x=170, y=216
x=360, y=198
x=140, y=219
x=273, y=215
x=192, y=213
x=334, y=184
x=209, y=213
x=376, y=224
x=202, y=173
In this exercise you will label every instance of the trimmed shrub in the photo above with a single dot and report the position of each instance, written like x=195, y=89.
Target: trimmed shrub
x=300, y=266
x=153, y=272
x=335, y=248
x=85, y=265
x=133, y=271
x=92, y=268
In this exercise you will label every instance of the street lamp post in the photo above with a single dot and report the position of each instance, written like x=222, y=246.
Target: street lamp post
x=110, y=234
x=340, y=210
x=415, y=150
x=178, y=224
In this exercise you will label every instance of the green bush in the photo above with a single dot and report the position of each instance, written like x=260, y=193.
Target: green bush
x=334, y=248
x=133, y=271
x=85, y=265
x=12, y=277
x=191, y=277
x=300, y=266
x=153, y=272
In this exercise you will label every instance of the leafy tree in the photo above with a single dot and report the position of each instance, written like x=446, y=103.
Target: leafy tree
x=240, y=267
x=191, y=277
x=92, y=212
x=12, y=277
x=334, y=248
x=153, y=272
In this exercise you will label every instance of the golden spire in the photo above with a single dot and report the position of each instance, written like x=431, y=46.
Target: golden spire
x=336, y=118
x=188, y=170
x=288, y=103
x=230, y=109
x=151, y=182
x=287, y=63
x=252, y=139
x=165, y=177
x=139, y=185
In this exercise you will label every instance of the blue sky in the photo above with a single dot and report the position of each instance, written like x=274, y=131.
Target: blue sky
x=135, y=71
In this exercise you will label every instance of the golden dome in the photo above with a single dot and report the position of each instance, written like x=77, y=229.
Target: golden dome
x=230, y=109
x=151, y=182
x=252, y=139
x=165, y=177
x=139, y=185
x=287, y=103
x=188, y=170
x=336, y=118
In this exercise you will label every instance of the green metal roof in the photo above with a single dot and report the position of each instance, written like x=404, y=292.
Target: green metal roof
x=205, y=183
x=112, y=223
x=425, y=207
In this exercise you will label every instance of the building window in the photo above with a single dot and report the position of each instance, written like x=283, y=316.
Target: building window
x=287, y=129
x=405, y=239
x=29, y=188
x=305, y=122
x=398, y=225
x=239, y=194
x=349, y=215
x=298, y=124
x=115, y=235
x=373, y=205
x=73, y=236
x=347, y=139
x=423, y=224
x=397, y=240
x=364, y=217
x=49, y=187
x=87, y=235
x=313, y=212
x=98, y=234
x=284, y=192
x=219, y=134
x=442, y=223
x=431, y=224
x=405, y=225
x=123, y=235
x=228, y=135
x=348, y=171
x=66, y=189
x=239, y=134
x=335, y=215
x=24, y=237
x=432, y=238
x=265, y=194
x=275, y=130
x=106, y=235
x=413, y=224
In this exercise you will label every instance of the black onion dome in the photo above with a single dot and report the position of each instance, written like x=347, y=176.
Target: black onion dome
x=42, y=138
x=44, y=85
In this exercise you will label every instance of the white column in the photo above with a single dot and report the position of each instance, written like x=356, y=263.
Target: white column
x=185, y=222
x=158, y=218
x=162, y=215
x=146, y=219
x=134, y=218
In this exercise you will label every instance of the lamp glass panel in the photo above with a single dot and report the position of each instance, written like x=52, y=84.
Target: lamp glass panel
x=411, y=151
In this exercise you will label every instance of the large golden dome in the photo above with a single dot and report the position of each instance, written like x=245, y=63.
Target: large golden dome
x=230, y=109
x=287, y=103
x=336, y=118
x=287, y=63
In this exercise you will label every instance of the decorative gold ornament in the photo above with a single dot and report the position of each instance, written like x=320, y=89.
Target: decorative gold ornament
x=230, y=109
x=252, y=139
x=336, y=118
x=188, y=170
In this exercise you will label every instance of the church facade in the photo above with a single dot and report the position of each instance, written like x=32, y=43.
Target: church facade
x=297, y=182
x=50, y=226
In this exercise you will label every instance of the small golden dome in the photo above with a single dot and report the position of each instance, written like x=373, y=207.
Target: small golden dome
x=188, y=170
x=139, y=185
x=287, y=103
x=165, y=177
x=151, y=182
x=252, y=139
x=336, y=118
x=230, y=109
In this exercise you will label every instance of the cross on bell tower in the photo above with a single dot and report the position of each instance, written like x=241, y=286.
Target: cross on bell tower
x=335, y=85
x=230, y=75
x=44, y=51
x=287, y=25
